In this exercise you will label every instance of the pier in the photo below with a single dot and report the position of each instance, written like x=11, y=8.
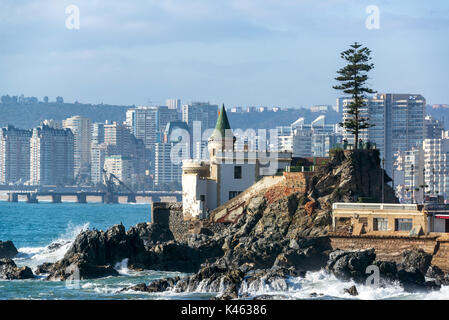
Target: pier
x=85, y=197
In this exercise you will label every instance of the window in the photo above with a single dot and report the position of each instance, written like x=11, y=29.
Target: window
x=238, y=172
x=403, y=224
x=202, y=197
x=380, y=224
x=233, y=194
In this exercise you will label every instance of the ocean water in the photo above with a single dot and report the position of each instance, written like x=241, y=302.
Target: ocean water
x=34, y=227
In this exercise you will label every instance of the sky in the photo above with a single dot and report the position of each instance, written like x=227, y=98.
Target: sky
x=237, y=52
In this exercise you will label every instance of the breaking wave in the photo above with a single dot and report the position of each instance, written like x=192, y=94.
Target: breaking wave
x=34, y=256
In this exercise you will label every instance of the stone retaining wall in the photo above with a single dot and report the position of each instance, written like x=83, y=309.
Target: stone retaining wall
x=390, y=248
x=169, y=214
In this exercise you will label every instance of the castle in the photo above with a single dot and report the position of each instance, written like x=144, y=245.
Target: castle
x=207, y=185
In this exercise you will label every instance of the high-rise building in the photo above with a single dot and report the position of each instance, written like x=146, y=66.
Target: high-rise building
x=147, y=123
x=51, y=156
x=121, y=142
x=205, y=115
x=204, y=112
x=434, y=128
x=97, y=133
x=120, y=166
x=97, y=156
x=82, y=134
x=398, y=121
x=173, y=104
x=168, y=164
x=314, y=139
x=119, y=138
x=14, y=155
x=436, y=162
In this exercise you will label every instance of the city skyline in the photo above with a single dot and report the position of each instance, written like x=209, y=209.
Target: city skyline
x=253, y=53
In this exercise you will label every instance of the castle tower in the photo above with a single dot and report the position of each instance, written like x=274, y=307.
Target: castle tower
x=222, y=139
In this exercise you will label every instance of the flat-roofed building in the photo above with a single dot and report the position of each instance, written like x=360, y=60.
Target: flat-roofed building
x=14, y=155
x=389, y=218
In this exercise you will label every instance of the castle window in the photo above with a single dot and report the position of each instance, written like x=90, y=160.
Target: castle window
x=238, y=172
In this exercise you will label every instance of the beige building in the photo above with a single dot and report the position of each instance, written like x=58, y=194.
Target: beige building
x=388, y=218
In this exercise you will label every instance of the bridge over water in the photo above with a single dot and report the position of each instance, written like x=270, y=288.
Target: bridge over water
x=89, y=196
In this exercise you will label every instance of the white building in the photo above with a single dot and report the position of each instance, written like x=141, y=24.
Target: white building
x=82, y=134
x=436, y=161
x=120, y=166
x=97, y=155
x=173, y=104
x=148, y=122
x=314, y=139
x=209, y=184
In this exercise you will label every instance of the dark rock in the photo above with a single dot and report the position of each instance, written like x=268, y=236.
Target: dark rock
x=270, y=297
x=416, y=259
x=159, y=285
x=387, y=269
x=440, y=278
x=56, y=245
x=412, y=279
x=141, y=287
x=348, y=265
x=7, y=250
x=352, y=291
x=43, y=268
x=10, y=271
x=434, y=272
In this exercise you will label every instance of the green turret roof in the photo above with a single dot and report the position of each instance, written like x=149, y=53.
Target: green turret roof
x=222, y=124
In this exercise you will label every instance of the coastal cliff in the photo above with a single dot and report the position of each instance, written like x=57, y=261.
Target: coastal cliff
x=280, y=233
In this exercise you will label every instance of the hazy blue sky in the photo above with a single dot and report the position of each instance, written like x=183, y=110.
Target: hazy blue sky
x=237, y=52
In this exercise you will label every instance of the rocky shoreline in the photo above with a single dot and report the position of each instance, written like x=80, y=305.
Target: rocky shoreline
x=278, y=237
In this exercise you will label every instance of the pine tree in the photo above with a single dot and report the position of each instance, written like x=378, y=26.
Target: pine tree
x=352, y=80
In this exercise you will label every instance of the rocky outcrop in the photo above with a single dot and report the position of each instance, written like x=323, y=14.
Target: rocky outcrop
x=146, y=246
x=226, y=283
x=410, y=273
x=416, y=259
x=10, y=271
x=351, y=176
x=7, y=250
x=350, y=265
